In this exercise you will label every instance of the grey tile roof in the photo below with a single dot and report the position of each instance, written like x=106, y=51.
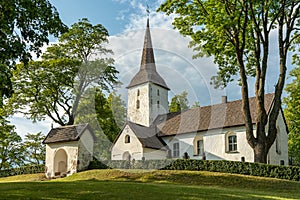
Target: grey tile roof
x=147, y=136
x=66, y=133
x=147, y=72
x=223, y=115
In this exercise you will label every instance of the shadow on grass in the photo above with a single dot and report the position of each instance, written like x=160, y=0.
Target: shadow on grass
x=114, y=189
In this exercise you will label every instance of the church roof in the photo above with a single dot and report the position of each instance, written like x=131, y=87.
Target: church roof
x=147, y=72
x=66, y=133
x=222, y=115
x=147, y=136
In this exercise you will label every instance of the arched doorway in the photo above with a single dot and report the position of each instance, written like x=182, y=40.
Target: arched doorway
x=126, y=156
x=60, y=162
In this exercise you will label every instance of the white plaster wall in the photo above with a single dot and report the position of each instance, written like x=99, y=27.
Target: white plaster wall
x=162, y=98
x=185, y=143
x=215, y=145
x=154, y=154
x=214, y=142
x=141, y=115
x=120, y=147
x=148, y=98
x=71, y=149
x=273, y=156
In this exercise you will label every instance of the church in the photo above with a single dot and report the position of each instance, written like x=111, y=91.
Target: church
x=215, y=132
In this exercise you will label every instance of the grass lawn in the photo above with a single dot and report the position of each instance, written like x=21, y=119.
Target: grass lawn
x=133, y=184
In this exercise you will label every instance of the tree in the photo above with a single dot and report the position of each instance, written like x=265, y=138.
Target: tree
x=11, y=150
x=55, y=86
x=111, y=113
x=35, y=151
x=179, y=102
x=24, y=28
x=237, y=35
x=292, y=114
x=196, y=104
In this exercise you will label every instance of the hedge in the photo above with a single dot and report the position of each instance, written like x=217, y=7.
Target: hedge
x=246, y=168
x=30, y=169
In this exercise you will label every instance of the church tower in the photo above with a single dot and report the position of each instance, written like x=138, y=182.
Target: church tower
x=147, y=91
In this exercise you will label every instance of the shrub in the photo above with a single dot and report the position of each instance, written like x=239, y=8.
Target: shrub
x=30, y=169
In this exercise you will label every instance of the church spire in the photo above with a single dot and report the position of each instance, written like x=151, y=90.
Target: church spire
x=148, y=55
x=147, y=72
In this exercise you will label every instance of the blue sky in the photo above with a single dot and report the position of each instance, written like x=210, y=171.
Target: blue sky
x=126, y=20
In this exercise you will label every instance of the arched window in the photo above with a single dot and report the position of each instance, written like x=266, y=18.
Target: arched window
x=198, y=145
x=231, y=142
x=157, y=92
x=127, y=139
x=137, y=104
x=278, y=150
x=157, y=104
x=138, y=92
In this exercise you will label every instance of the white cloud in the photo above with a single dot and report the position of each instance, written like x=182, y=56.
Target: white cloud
x=173, y=57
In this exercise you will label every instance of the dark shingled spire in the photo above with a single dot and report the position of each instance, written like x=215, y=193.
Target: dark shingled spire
x=147, y=72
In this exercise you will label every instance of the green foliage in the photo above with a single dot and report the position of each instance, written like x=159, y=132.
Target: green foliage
x=111, y=113
x=42, y=88
x=179, y=102
x=30, y=169
x=55, y=86
x=245, y=168
x=11, y=149
x=35, y=151
x=24, y=27
x=237, y=34
x=196, y=104
x=292, y=114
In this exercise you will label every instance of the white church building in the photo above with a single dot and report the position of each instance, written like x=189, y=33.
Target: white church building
x=215, y=132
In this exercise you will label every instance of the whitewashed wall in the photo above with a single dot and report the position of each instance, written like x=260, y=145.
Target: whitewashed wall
x=215, y=146
x=274, y=156
x=148, y=98
x=154, y=154
x=71, y=148
x=134, y=148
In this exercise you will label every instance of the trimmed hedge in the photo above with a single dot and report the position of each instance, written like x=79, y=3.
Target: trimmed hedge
x=30, y=169
x=246, y=168
x=134, y=164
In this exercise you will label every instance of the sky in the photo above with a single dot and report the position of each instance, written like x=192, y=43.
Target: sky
x=125, y=21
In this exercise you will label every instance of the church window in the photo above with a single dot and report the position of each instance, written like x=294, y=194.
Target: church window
x=127, y=139
x=278, y=151
x=200, y=147
x=231, y=142
x=157, y=92
x=137, y=104
x=176, y=150
x=157, y=104
x=138, y=92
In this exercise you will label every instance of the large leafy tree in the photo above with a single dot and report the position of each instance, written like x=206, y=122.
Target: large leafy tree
x=24, y=27
x=34, y=151
x=11, y=149
x=237, y=34
x=111, y=113
x=292, y=114
x=54, y=86
x=179, y=102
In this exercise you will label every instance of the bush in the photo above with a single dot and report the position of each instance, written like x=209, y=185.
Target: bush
x=254, y=169
x=30, y=169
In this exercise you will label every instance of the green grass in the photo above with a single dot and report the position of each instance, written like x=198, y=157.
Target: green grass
x=136, y=184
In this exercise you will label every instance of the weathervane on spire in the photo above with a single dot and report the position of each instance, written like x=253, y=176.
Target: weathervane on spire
x=147, y=10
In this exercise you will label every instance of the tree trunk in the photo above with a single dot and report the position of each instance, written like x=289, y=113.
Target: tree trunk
x=260, y=153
